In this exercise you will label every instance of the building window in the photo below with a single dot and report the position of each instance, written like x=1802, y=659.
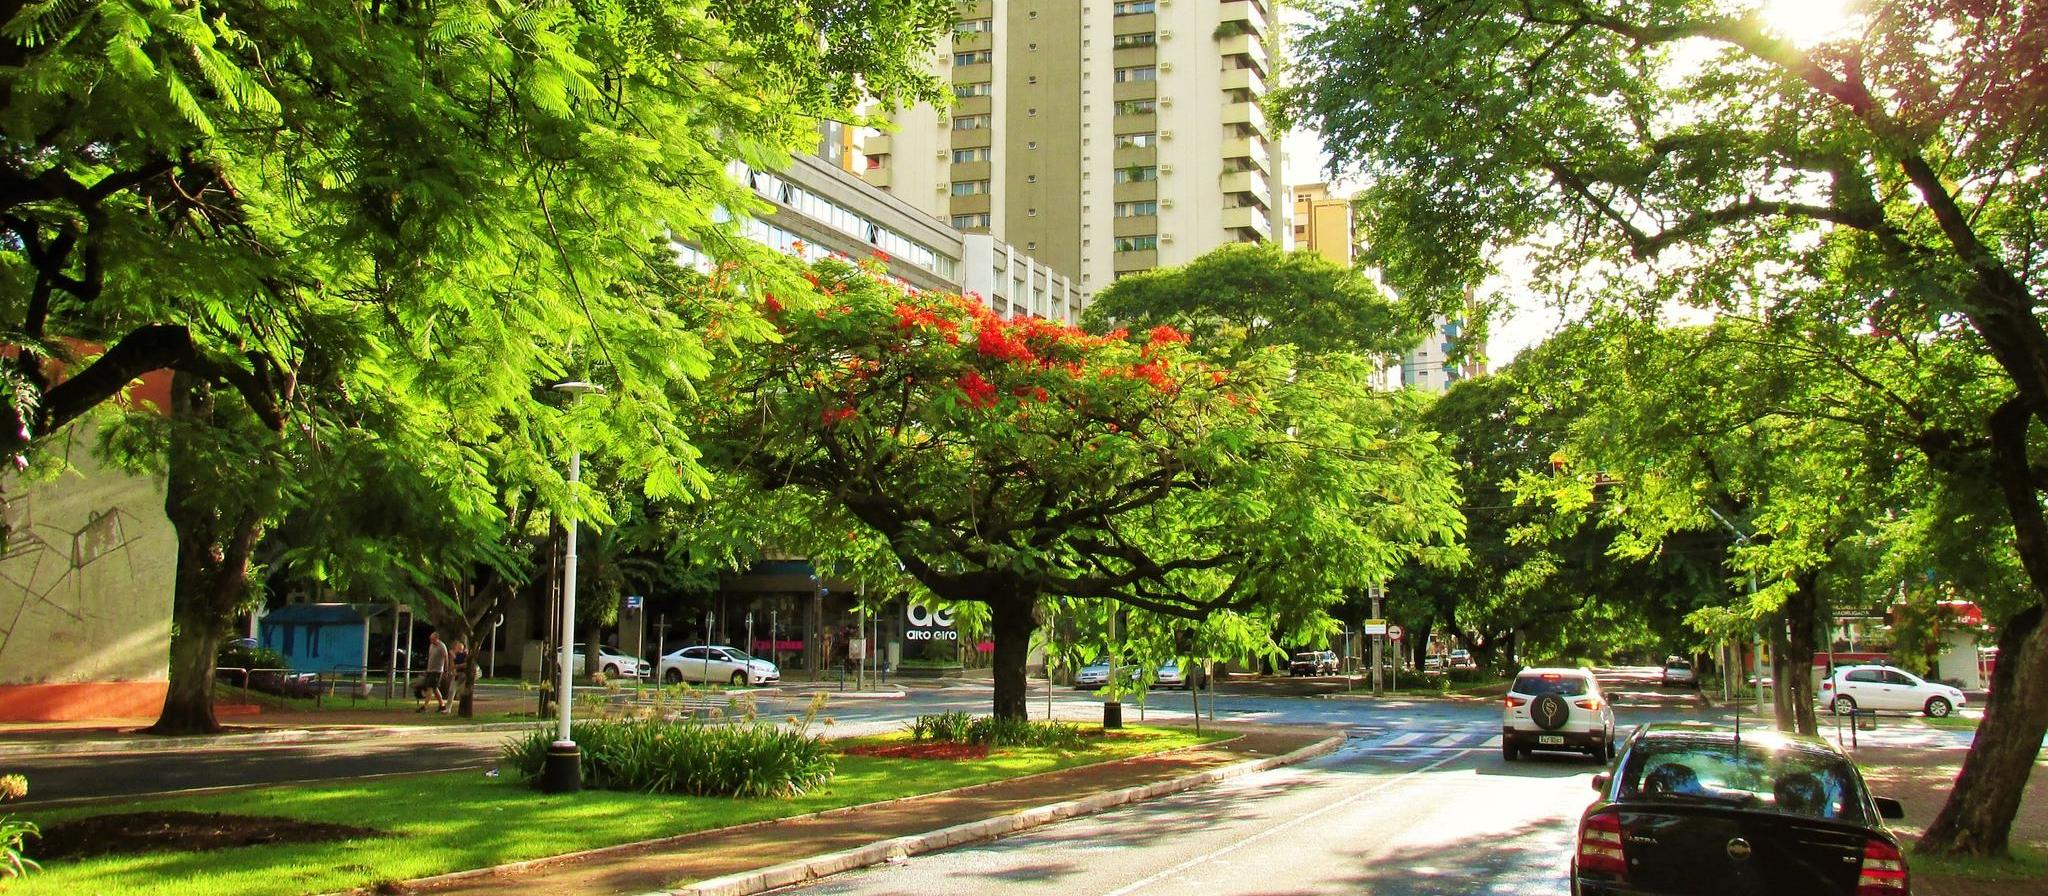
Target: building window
x=972, y=27
x=875, y=162
x=1137, y=107
x=1033, y=79
x=1136, y=174
x=1137, y=209
x=1031, y=247
x=1031, y=178
x=971, y=123
x=971, y=222
x=1126, y=141
x=1031, y=213
x=977, y=57
x=1033, y=47
x=970, y=187
x=1133, y=7
x=963, y=91
x=1031, y=112
x=1146, y=243
x=1127, y=41
x=976, y=154
x=1139, y=73
x=1030, y=144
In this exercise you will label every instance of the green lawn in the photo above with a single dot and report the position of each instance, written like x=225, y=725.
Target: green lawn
x=2024, y=865
x=461, y=820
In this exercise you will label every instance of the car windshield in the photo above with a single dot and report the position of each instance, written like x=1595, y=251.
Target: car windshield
x=1561, y=685
x=738, y=656
x=1759, y=774
x=1305, y=657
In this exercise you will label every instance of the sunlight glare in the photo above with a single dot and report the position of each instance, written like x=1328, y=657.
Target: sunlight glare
x=1808, y=23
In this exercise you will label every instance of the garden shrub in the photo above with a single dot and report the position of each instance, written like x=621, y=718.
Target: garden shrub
x=13, y=831
x=741, y=758
x=241, y=656
x=995, y=732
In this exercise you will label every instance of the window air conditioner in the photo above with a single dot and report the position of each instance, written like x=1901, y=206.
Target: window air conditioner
x=1165, y=34
x=1165, y=203
x=1165, y=67
x=1166, y=237
x=1166, y=169
x=1165, y=102
x=1166, y=135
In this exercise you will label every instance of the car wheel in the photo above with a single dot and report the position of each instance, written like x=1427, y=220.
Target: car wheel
x=739, y=679
x=1508, y=751
x=611, y=671
x=1845, y=705
x=672, y=676
x=1938, y=707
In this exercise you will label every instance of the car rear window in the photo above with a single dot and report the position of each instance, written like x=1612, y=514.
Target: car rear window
x=1561, y=685
x=1678, y=664
x=1752, y=776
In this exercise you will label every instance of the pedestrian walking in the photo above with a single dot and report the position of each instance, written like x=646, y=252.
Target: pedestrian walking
x=459, y=662
x=432, y=680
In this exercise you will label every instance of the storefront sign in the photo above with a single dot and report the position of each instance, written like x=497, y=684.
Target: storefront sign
x=927, y=624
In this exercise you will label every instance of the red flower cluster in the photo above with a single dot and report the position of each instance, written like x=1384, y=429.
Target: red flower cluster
x=1165, y=333
x=836, y=416
x=1035, y=393
x=909, y=317
x=980, y=393
x=1154, y=372
x=996, y=341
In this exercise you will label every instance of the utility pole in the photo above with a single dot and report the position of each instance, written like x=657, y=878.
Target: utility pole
x=1379, y=593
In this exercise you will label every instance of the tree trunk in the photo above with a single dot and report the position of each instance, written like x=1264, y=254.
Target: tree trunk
x=214, y=546
x=1011, y=622
x=1792, y=650
x=1977, y=819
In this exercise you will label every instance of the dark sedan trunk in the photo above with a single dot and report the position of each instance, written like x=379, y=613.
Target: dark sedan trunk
x=1729, y=852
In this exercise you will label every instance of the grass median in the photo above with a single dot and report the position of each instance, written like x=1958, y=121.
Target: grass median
x=454, y=821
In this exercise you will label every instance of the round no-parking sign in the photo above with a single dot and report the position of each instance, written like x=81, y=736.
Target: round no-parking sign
x=1394, y=632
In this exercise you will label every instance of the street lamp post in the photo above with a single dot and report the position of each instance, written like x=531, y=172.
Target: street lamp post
x=563, y=772
x=1758, y=655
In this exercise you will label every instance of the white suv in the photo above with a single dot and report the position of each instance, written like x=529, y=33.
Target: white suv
x=1556, y=709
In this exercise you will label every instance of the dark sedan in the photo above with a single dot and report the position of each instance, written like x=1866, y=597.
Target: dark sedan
x=1693, y=810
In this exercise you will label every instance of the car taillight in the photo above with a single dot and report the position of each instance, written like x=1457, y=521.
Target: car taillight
x=1884, y=870
x=1827, y=685
x=1589, y=703
x=1514, y=702
x=1600, y=844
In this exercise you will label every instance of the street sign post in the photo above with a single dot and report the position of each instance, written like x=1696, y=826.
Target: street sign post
x=1394, y=632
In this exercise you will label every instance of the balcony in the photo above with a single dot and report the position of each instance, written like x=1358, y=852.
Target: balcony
x=1245, y=45
x=1249, y=115
x=877, y=145
x=1245, y=14
x=1248, y=183
x=1251, y=148
x=1248, y=218
x=1244, y=79
x=876, y=177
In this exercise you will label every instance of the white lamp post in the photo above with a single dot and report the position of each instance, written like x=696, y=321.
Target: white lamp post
x=564, y=770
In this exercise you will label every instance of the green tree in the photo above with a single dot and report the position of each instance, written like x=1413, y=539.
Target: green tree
x=1682, y=150
x=1004, y=462
x=1243, y=297
x=290, y=207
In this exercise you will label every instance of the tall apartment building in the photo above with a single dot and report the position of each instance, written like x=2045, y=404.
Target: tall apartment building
x=1323, y=222
x=1428, y=366
x=1101, y=136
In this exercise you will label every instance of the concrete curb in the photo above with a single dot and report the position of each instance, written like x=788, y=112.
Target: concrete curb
x=802, y=870
x=282, y=736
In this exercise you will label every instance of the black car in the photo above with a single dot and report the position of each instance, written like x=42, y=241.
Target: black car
x=1696, y=810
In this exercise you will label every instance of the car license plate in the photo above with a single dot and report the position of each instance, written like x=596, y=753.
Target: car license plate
x=1550, y=739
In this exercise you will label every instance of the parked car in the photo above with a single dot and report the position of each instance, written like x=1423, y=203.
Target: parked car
x=1699, y=810
x=1434, y=665
x=1096, y=674
x=613, y=664
x=1556, y=709
x=1678, y=671
x=1093, y=675
x=1170, y=676
x=1313, y=662
x=1871, y=688
x=716, y=664
x=1462, y=659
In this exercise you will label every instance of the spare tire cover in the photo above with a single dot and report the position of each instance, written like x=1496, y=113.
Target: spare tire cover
x=1550, y=712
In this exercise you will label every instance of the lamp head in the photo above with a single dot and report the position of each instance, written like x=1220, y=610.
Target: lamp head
x=578, y=387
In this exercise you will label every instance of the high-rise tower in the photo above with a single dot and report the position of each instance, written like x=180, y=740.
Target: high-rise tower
x=1100, y=136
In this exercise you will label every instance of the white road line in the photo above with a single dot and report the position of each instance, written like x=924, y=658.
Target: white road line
x=1449, y=740
x=1403, y=740
x=1268, y=832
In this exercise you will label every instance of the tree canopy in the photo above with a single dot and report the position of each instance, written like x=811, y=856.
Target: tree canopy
x=1004, y=461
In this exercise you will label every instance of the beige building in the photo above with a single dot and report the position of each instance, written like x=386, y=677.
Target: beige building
x=1098, y=137
x=1323, y=222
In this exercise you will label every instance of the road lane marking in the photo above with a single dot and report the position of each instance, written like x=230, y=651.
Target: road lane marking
x=1450, y=740
x=1280, y=828
x=1403, y=740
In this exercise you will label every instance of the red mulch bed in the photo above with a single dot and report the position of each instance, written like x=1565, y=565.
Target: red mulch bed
x=133, y=832
x=937, y=749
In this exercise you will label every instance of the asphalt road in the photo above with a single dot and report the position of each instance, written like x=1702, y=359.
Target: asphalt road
x=1432, y=810
x=74, y=778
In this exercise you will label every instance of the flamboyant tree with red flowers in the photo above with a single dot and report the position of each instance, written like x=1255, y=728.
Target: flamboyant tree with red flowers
x=1008, y=461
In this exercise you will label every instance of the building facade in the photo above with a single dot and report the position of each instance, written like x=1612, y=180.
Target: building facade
x=1322, y=222
x=1103, y=137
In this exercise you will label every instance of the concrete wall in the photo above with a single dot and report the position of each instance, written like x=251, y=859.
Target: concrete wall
x=85, y=593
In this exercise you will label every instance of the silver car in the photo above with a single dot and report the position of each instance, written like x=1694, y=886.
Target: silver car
x=717, y=664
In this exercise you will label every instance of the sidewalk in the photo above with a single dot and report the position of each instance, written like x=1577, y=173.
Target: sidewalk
x=1920, y=777
x=754, y=858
